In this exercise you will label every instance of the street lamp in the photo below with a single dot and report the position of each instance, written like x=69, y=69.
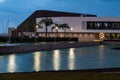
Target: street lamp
x=56, y=28
x=71, y=29
x=36, y=27
x=56, y=36
x=56, y=31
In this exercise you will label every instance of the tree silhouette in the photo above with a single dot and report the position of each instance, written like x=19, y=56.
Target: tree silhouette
x=47, y=22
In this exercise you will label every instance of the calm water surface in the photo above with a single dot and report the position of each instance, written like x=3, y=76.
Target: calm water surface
x=91, y=57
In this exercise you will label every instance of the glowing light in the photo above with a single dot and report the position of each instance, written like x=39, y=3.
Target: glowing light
x=37, y=56
x=37, y=26
x=56, y=27
x=95, y=40
x=11, y=64
x=71, y=28
x=71, y=58
x=101, y=35
x=56, y=60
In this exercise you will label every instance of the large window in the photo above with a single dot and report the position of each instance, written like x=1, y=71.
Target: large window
x=103, y=25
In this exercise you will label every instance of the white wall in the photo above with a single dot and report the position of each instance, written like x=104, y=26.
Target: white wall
x=79, y=23
x=86, y=38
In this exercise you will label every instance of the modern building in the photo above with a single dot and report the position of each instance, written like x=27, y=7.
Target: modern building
x=87, y=27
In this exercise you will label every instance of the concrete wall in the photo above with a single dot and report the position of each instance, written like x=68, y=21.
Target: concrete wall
x=39, y=47
x=86, y=38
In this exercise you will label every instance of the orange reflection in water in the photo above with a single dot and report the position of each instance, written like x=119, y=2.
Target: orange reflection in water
x=101, y=55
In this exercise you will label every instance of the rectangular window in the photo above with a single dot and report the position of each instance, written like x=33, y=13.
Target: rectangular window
x=100, y=25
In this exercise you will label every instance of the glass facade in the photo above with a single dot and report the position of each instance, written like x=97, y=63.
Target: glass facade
x=112, y=36
x=108, y=36
x=106, y=25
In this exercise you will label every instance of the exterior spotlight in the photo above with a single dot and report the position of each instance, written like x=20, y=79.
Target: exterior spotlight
x=71, y=29
x=56, y=27
x=37, y=26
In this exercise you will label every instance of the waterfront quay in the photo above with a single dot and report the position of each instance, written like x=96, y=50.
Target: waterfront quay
x=43, y=46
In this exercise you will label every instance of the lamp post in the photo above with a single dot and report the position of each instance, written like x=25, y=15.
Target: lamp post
x=36, y=27
x=71, y=29
x=56, y=31
x=56, y=36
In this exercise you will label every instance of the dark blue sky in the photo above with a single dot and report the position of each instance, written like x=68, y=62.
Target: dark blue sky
x=16, y=11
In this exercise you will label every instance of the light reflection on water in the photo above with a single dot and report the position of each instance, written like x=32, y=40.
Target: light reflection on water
x=56, y=59
x=90, y=57
x=11, y=63
x=37, y=61
x=71, y=59
x=101, y=55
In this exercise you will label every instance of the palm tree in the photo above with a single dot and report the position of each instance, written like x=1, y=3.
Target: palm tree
x=64, y=26
x=47, y=22
x=56, y=26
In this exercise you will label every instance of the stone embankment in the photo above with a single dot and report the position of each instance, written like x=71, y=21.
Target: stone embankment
x=43, y=46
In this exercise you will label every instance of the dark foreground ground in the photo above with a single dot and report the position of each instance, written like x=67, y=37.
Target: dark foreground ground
x=64, y=75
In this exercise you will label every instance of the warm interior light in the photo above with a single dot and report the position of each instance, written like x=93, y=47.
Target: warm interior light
x=101, y=35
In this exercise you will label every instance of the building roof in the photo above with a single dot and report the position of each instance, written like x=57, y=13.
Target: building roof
x=49, y=13
x=29, y=23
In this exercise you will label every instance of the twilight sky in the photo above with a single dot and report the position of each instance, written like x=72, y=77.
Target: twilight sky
x=16, y=11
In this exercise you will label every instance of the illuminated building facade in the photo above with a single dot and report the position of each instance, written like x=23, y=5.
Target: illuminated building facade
x=86, y=27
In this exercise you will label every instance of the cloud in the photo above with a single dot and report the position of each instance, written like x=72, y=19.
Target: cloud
x=1, y=1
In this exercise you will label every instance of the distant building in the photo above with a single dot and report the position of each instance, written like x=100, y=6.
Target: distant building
x=12, y=32
x=87, y=27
